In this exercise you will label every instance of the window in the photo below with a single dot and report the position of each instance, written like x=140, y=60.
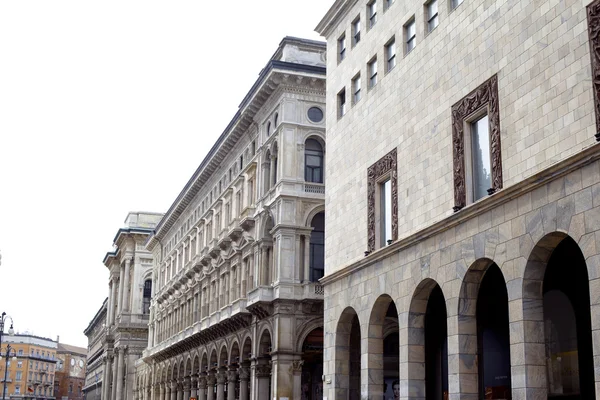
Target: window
x=268, y=133
x=431, y=11
x=456, y=3
x=388, y=3
x=313, y=161
x=315, y=114
x=372, y=13
x=341, y=103
x=411, y=35
x=356, y=89
x=20, y=352
x=241, y=166
x=382, y=202
x=147, y=295
x=17, y=389
x=356, y=31
x=20, y=364
x=317, y=247
x=372, y=70
x=342, y=47
x=70, y=388
x=390, y=54
x=476, y=144
x=276, y=120
x=19, y=376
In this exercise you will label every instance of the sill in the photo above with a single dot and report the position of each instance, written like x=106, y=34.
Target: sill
x=433, y=30
x=410, y=51
x=390, y=70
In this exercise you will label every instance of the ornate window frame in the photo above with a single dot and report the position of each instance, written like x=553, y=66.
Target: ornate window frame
x=483, y=97
x=387, y=166
x=593, y=20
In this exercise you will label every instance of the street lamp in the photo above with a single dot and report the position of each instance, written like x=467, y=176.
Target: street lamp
x=11, y=332
x=8, y=358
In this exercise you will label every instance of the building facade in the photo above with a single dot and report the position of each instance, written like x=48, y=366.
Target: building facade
x=463, y=202
x=237, y=308
x=69, y=378
x=94, y=373
x=128, y=305
x=31, y=367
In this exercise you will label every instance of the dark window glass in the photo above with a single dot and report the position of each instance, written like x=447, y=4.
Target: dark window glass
x=315, y=114
x=147, y=296
x=313, y=161
x=317, y=247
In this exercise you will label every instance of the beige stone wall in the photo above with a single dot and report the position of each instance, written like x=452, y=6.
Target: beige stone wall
x=540, y=52
x=517, y=230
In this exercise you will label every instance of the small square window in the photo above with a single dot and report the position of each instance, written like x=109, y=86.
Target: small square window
x=431, y=13
x=342, y=48
x=372, y=71
x=356, y=31
x=341, y=103
x=372, y=13
x=390, y=55
x=411, y=35
x=356, y=86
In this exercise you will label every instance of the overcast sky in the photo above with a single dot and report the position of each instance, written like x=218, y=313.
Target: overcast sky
x=108, y=107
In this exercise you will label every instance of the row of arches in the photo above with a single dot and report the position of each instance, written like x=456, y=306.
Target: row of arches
x=556, y=323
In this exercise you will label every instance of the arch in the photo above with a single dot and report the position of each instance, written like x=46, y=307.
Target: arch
x=204, y=361
x=314, y=161
x=195, y=364
x=265, y=342
x=276, y=120
x=246, y=349
x=347, y=358
x=223, y=356
x=269, y=128
x=317, y=248
x=147, y=295
x=310, y=326
x=556, y=307
x=383, y=347
x=312, y=357
x=311, y=214
x=187, y=371
x=234, y=352
x=427, y=343
x=483, y=322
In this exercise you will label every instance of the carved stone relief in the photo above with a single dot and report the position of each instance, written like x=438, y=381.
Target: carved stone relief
x=486, y=95
x=593, y=18
x=386, y=165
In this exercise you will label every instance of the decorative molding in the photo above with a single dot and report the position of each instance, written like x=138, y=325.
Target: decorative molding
x=486, y=95
x=593, y=19
x=386, y=165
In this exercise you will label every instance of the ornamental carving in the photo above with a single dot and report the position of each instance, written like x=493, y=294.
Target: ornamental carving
x=593, y=18
x=485, y=96
x=296, y=367
x=387, y=165
x=244, y=374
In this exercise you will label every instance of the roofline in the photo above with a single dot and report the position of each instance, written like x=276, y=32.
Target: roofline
x=146, y=231
x=102, y=308
x=338, y=10
x=271, y=66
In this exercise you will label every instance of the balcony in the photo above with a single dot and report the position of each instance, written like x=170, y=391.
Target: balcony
x=314, y=188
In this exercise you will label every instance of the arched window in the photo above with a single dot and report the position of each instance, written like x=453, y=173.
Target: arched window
x=313, y=161
x=268, y=128
x=317, y=247
x=147, y=296
x=276, y=120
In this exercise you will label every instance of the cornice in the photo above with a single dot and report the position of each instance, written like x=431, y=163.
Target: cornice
x=560, y=169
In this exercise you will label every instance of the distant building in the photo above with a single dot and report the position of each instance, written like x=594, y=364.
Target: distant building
x=70, y=372
x=31, y=374
x=94, y=373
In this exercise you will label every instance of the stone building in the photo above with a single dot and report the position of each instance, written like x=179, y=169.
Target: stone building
x=237, y=308
x=463, y=200
x=94, y=373
x=128, y=306
x=31, y=367
x=70, y=372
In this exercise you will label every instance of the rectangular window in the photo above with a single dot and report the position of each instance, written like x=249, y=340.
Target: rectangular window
x=388, y=4
x=356, y=31
x=19, y=376
x=356, y=89
x=410, y=34
x=17, y=389
x=372, y=13
x=456, y=3
x=341, y=103
x=372, y=70
x=385, y=193
x=20, y=364
x=431, y=11
x=390, y=54
x=342, y=47
x=480, y=157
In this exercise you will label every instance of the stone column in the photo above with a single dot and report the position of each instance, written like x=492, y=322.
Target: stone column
x=167, y=391
x=186, y=388
x=210, y=386
x=194, y=388
x=202, y=387
x=106, y=380
x=161, y=391
x=307, y=258
x=263, y=380
x=297, y=371
x=120, y=295
x=120, y=372
x=109, y=304
x=231, y=383
x=180, y=389
x=221, y=379
x=244, y=373
x=126, y=289
x=114, y=374
x=174, y=389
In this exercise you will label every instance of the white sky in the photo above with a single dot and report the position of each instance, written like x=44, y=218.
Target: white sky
x=108, y=107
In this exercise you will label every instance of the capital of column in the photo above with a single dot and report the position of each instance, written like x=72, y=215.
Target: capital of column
x=244, y=373
x=296, y=367
x=194, y=379
x=174, y=384
x=232, y=375
x=202, y=382
x=263, y=371
x=221, y=378
x=186, y=383
x=210, y=379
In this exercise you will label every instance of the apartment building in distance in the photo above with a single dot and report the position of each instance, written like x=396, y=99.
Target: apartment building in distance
x=96, y=357
x=463, y=199
x=69, y=377
x=31, y=367
x=237, y=309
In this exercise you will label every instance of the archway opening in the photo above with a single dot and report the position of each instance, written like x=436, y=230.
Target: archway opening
x=567, y=324
x=317, y=247
x=391, y=353
x=436, y=346
x=347, y=356
x=493, y=341
x=312, y=369
x=263, y=369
